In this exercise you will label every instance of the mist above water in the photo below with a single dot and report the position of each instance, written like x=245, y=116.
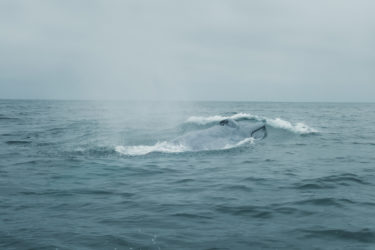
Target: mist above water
x=167, y=50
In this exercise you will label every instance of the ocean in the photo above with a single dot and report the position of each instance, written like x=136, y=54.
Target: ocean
x=167, y=175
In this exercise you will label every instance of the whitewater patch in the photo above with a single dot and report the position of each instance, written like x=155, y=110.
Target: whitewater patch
x=161, y=147
x=298, y=128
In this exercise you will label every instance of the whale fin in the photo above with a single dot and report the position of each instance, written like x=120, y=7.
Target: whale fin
x=259, y=132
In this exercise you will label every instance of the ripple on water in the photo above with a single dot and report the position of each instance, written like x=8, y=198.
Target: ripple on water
x=192, y=216
x=237, y=187
x=7, y=118
x=185, y=180
x=255, y=179
x=364, y=235
x=18, y=142
x=260, y=212
x=325, y=202
x=332, y=181
x=264, y=212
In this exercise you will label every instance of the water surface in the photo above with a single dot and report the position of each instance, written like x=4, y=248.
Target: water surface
x=110, y=175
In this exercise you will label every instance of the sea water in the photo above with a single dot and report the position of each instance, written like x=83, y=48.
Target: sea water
x=117, y=175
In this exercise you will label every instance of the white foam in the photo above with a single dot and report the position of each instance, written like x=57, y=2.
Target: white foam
x=168, y=147
x=299, y=127
x=165, y=147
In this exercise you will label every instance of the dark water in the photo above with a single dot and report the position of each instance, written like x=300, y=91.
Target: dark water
x=122, y=175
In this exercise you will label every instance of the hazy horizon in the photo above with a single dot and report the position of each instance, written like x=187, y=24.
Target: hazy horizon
x=260, y=51
x=181, y=100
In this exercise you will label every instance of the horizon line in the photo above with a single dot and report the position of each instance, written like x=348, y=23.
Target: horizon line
x=171, y=100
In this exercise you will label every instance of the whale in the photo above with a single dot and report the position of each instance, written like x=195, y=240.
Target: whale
x=226, y=134
x=257, y=131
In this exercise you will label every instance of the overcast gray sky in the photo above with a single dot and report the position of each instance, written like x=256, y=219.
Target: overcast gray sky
x=264, y=50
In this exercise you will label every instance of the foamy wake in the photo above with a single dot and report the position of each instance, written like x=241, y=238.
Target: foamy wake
x=163, y=147
x=299, y=127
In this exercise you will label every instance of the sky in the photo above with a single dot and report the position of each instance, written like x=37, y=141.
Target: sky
x=208, y=50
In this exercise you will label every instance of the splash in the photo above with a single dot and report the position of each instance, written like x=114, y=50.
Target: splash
x=298, y=128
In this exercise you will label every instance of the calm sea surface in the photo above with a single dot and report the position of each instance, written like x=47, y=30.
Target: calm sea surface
x=166, y=175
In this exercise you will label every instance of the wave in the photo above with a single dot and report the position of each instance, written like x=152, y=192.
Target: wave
x=298, y=128
x=18, y=142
